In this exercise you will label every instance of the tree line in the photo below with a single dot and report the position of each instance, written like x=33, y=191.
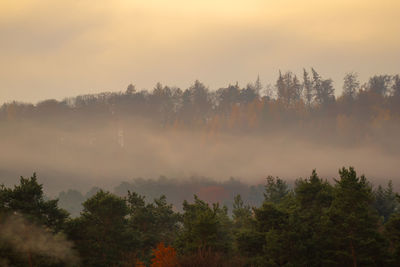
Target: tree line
x=362, y=111
x=176, y=190
x=313, y=223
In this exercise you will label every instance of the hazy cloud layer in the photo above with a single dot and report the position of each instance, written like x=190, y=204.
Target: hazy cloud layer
x=53, y=49
x=83, y=158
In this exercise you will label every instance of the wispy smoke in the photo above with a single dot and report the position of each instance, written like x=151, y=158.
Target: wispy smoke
x=28, y=239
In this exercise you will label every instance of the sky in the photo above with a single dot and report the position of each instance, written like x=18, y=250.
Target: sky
x=56, y=49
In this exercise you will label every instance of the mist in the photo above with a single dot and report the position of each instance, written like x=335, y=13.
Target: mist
x=101, y=145
x=26, y=239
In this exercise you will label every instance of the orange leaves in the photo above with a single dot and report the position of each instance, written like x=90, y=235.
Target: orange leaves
x=164, y=256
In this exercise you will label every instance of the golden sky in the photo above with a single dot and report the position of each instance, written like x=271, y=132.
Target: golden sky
x=55, y=49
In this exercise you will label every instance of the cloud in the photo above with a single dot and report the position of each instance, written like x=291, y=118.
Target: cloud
x=63, y=48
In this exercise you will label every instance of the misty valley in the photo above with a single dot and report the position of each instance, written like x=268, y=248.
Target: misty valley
x=201, y=133
x=239, y=176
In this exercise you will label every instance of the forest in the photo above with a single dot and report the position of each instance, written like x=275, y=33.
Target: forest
x=241, y=132
x=290, y=103
x=312, y=223
x=182, y=177
x=201, y=133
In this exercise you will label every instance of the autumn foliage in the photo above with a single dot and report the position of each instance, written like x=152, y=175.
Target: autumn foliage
x=164, y=256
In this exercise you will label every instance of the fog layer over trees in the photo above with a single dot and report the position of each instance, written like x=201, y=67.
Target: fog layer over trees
x=284, y=129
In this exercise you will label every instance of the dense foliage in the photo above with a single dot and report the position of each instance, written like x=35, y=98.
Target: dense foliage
x=313, y=223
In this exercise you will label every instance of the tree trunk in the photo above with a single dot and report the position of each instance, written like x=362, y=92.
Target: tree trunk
x=353, y=254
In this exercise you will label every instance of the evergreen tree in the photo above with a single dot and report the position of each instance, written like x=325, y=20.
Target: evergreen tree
x=241, y=213
x=29, y=225
x=385, y=201
x=392, y=233
x=152, y=223
x=28, y=199
x=273, y=223
x=313, y=198
x=204, y=227
x=100, y=233
x=275, y=190
x=353, y=223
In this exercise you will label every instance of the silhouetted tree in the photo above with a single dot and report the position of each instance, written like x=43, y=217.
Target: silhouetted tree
x=308, y=89
x=379, y=84
x=351, y=85
x=324, y=91
x=289, y=88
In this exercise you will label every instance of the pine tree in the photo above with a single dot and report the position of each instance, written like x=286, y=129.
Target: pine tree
x=353, y=223
x=28, y=199
x=275, y=190
x=385, y=201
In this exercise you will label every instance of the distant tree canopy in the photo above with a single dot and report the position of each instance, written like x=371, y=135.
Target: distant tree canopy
x=301, y=103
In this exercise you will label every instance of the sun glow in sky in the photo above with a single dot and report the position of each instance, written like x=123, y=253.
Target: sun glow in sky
x=55, y=49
